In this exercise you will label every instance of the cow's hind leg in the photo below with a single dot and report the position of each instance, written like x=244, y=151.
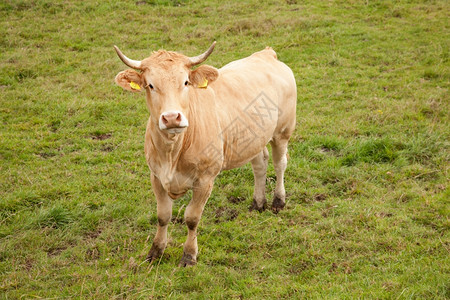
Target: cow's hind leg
x=259, y=166
x=279, y=151
x=164, y=212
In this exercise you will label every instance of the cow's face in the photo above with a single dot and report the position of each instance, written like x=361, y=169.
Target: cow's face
x=168, y=80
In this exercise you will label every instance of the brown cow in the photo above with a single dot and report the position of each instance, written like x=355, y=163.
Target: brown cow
x=207, y=120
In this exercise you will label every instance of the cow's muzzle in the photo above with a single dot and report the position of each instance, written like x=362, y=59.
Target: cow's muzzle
x=173, y=120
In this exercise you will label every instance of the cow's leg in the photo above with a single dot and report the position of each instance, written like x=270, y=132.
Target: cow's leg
x=164, y=212
x=279, y=150
x=259, y=166
x=192, y=217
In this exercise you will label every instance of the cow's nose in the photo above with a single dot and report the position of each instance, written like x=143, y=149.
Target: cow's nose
x=171, y=119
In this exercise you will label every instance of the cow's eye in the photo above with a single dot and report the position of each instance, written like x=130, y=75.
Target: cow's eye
x=150, y=86
x=186, y=82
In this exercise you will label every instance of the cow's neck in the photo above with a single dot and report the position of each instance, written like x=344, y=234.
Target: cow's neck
x=168, y=145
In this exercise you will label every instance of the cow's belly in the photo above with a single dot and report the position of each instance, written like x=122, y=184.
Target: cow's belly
x=245, y=141
x=248, y=123
x=239, y=156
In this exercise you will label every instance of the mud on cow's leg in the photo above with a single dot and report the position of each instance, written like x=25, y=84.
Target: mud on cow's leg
x=279, y=150
x=192, y=216
x=259, y=166
x=164, y=212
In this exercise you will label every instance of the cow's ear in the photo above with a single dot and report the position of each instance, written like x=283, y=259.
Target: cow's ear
x=130, y=80
x=203, y=75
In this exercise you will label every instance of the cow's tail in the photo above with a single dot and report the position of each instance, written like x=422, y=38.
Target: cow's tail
x=272, y=52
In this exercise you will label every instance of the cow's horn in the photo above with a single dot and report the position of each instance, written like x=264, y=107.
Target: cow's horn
x=202, y=57
x=135, y=64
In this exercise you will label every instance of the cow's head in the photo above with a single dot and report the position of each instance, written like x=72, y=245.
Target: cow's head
x=167, y=79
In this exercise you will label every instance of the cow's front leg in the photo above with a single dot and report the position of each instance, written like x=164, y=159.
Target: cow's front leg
x=164, y=212
x=192, y=215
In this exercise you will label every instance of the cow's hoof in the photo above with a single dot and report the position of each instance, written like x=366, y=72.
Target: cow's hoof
x=258, y=207
x=187, y=260
x=277, y=205
x=154, y=253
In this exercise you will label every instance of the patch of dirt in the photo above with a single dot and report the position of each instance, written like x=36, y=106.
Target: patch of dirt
x=320, y=197
x=333, y=268
x=340, y=268
x=29, y=264
x=46, y=154
x=235, y=200
x=232, y=214
x=101, y=137
x=107, y=148
x=225, y=214
x=220, y=211
x=93, y=234
x=55, y=251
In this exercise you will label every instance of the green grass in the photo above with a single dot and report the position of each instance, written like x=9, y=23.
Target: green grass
x=367, y=213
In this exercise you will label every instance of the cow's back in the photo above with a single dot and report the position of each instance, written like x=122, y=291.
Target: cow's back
x=256, y=100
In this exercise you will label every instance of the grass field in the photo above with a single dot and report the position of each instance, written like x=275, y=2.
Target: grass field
x=368, y=208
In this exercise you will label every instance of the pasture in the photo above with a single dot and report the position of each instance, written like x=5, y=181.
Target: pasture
x=367, y=208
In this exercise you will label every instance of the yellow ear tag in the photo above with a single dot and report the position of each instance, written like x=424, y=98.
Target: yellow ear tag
x=204, y=85
x=135, y=86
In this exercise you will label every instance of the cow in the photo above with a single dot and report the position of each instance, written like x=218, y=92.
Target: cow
x=206, y=120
